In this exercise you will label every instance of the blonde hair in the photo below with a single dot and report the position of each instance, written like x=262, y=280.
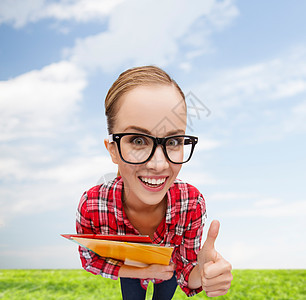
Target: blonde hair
x=130, y=79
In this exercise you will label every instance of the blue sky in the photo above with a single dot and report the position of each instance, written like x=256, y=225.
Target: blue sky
x=244, y=60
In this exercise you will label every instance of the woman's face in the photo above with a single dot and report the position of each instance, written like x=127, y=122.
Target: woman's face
x=160, y=111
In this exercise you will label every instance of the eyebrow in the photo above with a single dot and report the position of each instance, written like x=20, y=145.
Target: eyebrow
x=146, y=131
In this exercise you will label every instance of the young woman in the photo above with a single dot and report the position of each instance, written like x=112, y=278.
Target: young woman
x=146, y=118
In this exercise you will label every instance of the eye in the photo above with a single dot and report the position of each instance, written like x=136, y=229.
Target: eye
x=138, y=140
x=172, y=142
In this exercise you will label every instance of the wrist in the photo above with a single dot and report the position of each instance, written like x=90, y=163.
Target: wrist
x=143, y=272
x=194, y=279
x=133, y=272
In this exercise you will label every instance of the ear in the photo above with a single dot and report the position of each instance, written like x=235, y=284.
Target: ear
x=112, y=149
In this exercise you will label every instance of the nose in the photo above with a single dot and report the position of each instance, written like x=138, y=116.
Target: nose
x=158, y=162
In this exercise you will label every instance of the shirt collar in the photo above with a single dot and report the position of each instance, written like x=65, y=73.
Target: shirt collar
x=171, y=209
x=117, y=196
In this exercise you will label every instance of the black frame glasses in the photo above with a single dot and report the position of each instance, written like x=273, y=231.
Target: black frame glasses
x=116, y=137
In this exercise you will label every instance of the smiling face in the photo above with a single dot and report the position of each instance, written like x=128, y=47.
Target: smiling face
x=157, y=110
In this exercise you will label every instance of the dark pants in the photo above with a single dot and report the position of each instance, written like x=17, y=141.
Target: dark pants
x=131, y=289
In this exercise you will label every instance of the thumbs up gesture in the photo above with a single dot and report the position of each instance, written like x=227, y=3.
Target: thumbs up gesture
x=215, y=271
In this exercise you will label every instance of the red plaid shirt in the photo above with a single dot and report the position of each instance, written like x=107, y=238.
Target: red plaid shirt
x=101, y=212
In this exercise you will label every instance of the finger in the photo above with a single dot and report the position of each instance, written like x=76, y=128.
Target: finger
x=168, y=275
x=211, y=270
x=217, y=287
x=216, y=293
x=212, y=234
x=218, y=283
x=169, y=268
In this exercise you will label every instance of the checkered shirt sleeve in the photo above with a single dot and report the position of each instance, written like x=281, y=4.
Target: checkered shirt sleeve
x=92, y=262
x=186, y=255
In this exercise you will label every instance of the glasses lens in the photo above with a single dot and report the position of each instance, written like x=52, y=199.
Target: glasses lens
x=179, y=148
x=136, y=148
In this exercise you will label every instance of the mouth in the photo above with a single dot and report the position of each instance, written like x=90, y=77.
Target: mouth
x=153, y=183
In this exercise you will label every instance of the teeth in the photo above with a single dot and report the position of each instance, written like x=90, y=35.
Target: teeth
x=153, y=181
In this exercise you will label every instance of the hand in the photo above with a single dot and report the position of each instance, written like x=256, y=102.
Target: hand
x=159, y=271
x=215, y=271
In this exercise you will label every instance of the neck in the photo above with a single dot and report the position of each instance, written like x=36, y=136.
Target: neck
x=136, y=206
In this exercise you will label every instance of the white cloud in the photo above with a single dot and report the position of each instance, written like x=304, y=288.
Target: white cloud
x=257, y=205
x=257, y=83
x=74, y=170
x=81, y=10
x=267, y=202
x=265, y=100
x=42, y=188
x=139, y=32
x=227, y=9
x=230, y=196
x=146, y=32
x=197, y=178
x=38, y=257
x=35, y=103
x=43, y=104
x=279, y=78
x=295, y=119
x=243, y=254
x=37, y=108
x=270, y=210
x=78, y=170
x=185, y=66
x=218, y=14
x=22, y=12
x=265, y=255
x=207, y=144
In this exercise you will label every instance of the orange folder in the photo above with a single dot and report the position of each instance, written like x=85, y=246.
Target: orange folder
x=133, y=250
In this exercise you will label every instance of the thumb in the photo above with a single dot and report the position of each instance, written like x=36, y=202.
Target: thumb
x=209, y=245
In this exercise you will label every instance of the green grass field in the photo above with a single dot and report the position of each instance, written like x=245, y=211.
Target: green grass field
x=79, y=284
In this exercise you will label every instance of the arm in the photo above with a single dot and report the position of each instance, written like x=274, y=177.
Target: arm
x=91, y=262
x=151, y=271
x=186, y=255
x=213, y=271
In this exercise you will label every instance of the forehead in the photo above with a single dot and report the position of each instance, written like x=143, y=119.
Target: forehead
x=157, y=108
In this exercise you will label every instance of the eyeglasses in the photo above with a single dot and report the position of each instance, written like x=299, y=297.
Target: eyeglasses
x=136, y=148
